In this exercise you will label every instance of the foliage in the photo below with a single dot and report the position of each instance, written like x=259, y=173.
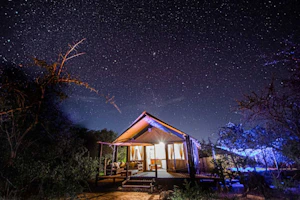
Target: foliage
x=192, y=193
x=256, y=141
x=206, y=149
x=254, y=181
x=26, y=103
x=282, y=185
x=63, y=170
x=277, y=109
x=122, y=152
x=67, y=176
x=275, y=114
x=222, y=166
x=223, y=161
x=91, y=137
x=41, y=154
x=106, y=136
x=234, y=136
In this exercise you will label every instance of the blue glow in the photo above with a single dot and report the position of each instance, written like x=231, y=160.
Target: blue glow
x=249, y=169
x=242, y=152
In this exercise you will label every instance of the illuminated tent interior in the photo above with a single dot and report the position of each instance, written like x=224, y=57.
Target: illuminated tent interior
x=151, y=141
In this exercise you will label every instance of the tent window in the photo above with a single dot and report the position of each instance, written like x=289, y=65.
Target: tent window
x=178, y=151
x=136, y=153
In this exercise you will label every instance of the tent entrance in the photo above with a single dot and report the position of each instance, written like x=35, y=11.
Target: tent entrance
x=156, y=154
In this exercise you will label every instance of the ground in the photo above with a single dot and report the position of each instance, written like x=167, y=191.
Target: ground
x=120, y=195
x=146, y=196
x=107, y=190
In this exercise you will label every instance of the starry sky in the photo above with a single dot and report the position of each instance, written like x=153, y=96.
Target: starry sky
x=185, y=62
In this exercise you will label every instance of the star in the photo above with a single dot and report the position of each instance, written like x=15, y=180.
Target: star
x=197, y=58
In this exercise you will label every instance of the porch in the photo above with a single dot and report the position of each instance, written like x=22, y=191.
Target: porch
x=151, y=181
x=161, y=174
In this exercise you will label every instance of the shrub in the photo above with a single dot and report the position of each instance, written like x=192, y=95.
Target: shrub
x=68, y=176
x=192, y=192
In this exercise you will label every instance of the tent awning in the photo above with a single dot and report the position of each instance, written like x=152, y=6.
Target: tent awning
x=147, y=129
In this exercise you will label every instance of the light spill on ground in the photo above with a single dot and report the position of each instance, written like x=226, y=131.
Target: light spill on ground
x=145, y=196
x=119, y=195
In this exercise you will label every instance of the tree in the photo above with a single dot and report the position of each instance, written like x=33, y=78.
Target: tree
x=38, y=146
x=277, y=109
x=29, y=132
x=249, y=144
x=91, y=137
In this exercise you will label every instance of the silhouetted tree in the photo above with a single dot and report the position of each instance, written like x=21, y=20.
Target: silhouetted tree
x=277, y=110
x=91, y=137
x=38, y=147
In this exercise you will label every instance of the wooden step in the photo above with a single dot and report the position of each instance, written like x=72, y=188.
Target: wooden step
x=140, y=181
x=137, y=189
x=136, y=186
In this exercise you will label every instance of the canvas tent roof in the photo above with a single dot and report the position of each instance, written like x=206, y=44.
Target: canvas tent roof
x=149, y=130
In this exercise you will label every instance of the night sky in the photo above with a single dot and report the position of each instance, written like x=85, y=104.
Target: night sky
x=184, y=62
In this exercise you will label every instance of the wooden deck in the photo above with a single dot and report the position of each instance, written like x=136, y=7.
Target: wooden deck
x=160, y=174
x=167, y=179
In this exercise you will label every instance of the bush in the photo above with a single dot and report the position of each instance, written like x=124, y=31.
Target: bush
x=62, y=170
x=190, y=192
x=67, y=176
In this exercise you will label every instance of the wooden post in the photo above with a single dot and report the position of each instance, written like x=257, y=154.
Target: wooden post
x=151, y=188
x=127, y=167
x=100, y=157
x=128, y=154
x=105, y=164
x=113, y=160
x=167, y=156
x=99, y=166
x=155, y=166
x=174, y=159
x=190, y=158
x=116, y=154
x=144, y=160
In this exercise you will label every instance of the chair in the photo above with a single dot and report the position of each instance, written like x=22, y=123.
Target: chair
x=158, y=162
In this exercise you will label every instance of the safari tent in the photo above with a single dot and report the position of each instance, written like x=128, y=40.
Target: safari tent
x=153, y=144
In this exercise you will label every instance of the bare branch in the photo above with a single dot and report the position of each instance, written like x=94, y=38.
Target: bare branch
x=65, y=57
x=14, y=110
x=79, y=54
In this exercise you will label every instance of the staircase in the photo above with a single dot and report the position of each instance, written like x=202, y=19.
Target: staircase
x=138, y=184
